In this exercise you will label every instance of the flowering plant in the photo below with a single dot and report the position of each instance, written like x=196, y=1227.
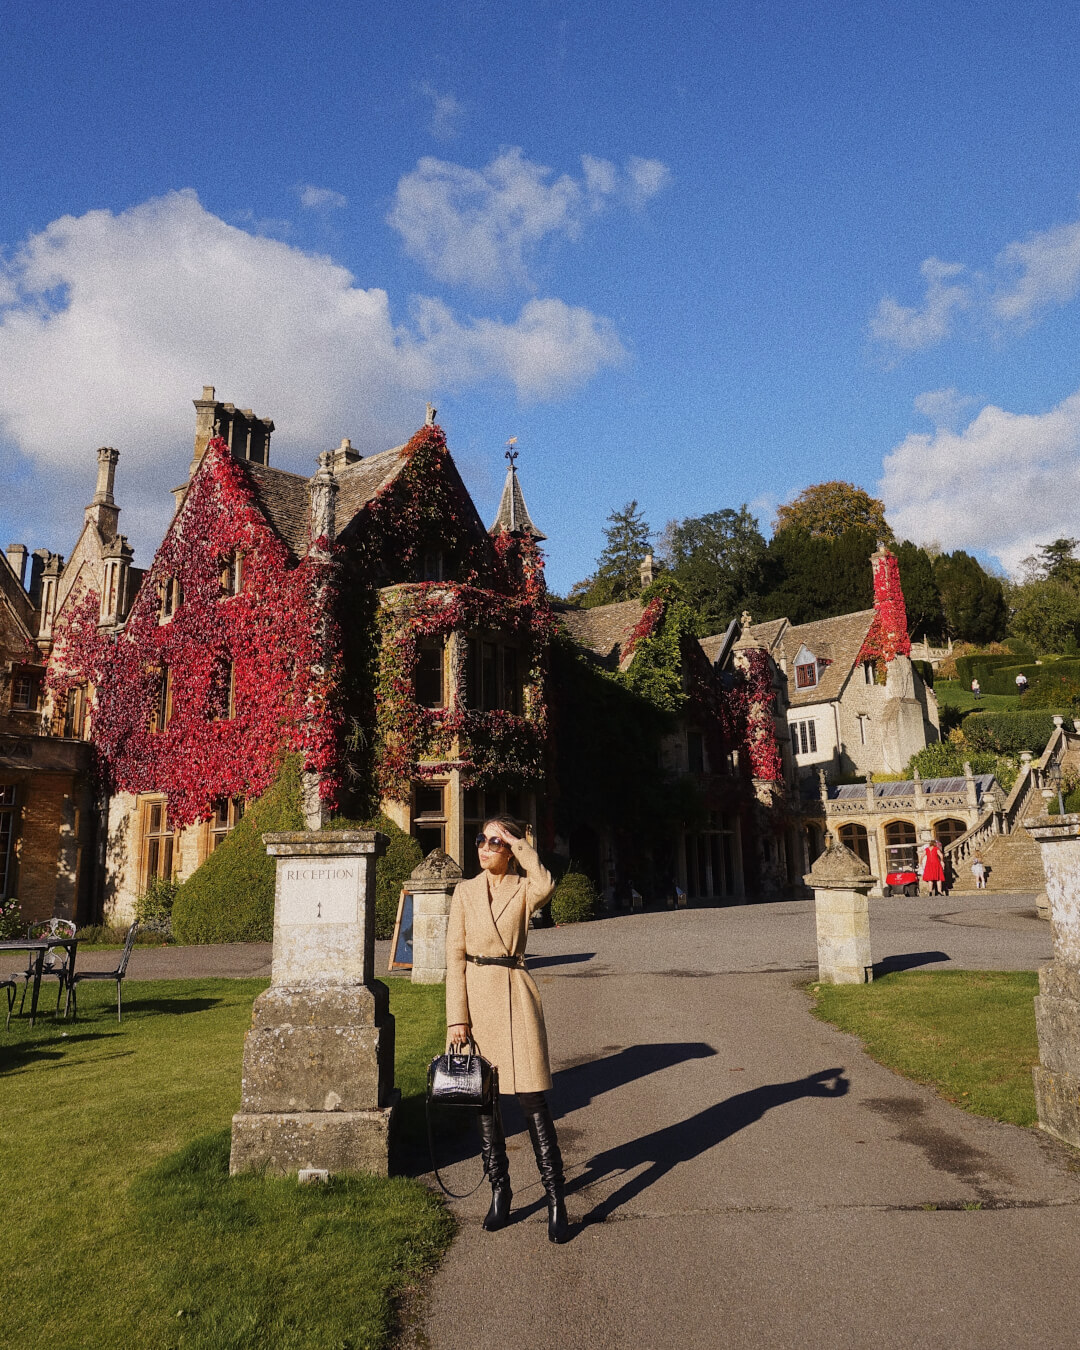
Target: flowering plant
x=11, y=919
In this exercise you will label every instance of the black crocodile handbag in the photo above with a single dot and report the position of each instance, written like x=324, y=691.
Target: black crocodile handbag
x=461, y=1079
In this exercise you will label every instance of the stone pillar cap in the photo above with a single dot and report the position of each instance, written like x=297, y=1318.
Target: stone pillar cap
x=324, y=843
x=437, y=866
x=838, y=868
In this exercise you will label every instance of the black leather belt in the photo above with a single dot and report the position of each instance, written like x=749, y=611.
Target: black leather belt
x=510, y=962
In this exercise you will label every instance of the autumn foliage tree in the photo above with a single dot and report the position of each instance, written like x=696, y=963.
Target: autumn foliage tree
x=829, y=510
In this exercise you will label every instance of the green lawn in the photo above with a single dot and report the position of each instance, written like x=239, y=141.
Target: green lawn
x=121, y=1224
x=953, y=694
x=969, y=1034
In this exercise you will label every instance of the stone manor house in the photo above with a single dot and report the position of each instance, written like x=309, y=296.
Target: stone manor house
x=367, y=621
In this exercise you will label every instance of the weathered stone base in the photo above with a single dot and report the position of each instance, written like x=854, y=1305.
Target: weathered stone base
x=282, y=1143
x=843, y=937
x=1057, y=1099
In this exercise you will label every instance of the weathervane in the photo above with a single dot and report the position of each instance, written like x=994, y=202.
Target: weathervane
x=511, y=453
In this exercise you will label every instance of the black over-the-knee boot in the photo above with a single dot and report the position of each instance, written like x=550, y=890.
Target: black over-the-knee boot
x=496, y=1165
x=545, y=1144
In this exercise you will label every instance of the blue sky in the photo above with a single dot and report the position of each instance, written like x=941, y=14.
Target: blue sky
x=693, y=254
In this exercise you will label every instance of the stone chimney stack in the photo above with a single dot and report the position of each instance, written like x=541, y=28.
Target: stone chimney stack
x=346, y=454
x=103, y=511
x=114, y=597
x=16, y=556
x=247, y=436
x=53, y=565
x=647, y=571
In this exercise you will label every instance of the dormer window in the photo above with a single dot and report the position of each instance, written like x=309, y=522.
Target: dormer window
x=806, y=669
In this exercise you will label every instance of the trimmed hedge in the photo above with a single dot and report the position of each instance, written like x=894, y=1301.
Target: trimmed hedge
x=575, y=899
x=230, y=898
x=1058, y=671
x=1001, y=732
x=978, y=665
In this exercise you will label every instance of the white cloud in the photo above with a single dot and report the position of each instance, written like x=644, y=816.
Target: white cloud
x=482, y=227
x=447, y=113
x=1045, y=271
x=943, y=407
x=1002, y=485
x=898, y=325
x=112, y=324
x=647, y=178
x=321, y=199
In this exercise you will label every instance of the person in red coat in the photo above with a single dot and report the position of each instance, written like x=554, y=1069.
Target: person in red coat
x=933, y=867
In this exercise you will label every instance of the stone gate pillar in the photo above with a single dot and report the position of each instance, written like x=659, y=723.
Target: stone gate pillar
x=1057, y=1008
x=841, y=883
x=432, y=885
x=318, y=1077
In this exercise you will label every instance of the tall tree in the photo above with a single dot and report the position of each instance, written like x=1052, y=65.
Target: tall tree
x=829, y=510
x=618, y=569
x=1046, y=614
x=972, y=601
x=922, y=598
x=718, y=560
x=814, y=577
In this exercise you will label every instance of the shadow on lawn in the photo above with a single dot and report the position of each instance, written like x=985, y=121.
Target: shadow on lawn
x=163, y=1005
x=15, y=1058
x=909, y=961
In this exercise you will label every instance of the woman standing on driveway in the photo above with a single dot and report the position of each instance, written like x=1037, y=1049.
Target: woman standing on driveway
x=492, y=997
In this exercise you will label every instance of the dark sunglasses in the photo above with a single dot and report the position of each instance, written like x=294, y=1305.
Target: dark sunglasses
x=492, y=841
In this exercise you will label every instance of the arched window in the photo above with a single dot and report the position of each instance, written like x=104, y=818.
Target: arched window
x=947, y=831
x=854, y=837
x=900, y=832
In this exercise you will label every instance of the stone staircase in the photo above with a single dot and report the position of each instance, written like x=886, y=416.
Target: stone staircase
x=1014, y=862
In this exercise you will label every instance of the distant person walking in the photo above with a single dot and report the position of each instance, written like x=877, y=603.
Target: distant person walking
x=933, y=867
x=976, y=692
x=1021, y=684
x=978, y=871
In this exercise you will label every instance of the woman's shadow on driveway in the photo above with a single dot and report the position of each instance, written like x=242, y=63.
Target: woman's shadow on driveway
x=664, y=1149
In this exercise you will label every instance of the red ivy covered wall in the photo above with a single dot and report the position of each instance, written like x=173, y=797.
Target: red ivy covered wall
x=269, y=640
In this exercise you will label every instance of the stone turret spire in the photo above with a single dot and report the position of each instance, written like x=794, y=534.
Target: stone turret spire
x=513, y=514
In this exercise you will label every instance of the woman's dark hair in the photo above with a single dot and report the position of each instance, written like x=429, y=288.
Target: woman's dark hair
x=509, y=824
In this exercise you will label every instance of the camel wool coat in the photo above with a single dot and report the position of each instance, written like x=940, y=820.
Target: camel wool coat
x=500, y=1005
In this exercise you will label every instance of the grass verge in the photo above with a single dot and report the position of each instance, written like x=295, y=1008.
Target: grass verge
x=968, y=1034
x=124, y=1226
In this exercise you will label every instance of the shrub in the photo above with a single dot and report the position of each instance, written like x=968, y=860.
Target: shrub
x=946, y=759
x=575, y=899
x=1000, y=732
x=153, y=909
x=230, y=898
x=980, y=664
x=392, y=870
x=11, y=919
x=925, y=672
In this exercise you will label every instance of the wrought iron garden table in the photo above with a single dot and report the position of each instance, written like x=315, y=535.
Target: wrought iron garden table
x=37, y=947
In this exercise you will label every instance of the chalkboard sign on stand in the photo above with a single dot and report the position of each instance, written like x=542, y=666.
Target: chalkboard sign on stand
x=401, y=955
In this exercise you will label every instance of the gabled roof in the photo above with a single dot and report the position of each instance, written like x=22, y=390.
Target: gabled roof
x=17, y=598
x=285, y=503
x=359, y=482
x=837, y=641
x=603, y=630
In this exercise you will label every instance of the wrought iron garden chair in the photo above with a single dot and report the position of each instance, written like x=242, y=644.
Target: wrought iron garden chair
x=55, y=963
x=58, y=964
x=117, y=974
x=9, y=986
